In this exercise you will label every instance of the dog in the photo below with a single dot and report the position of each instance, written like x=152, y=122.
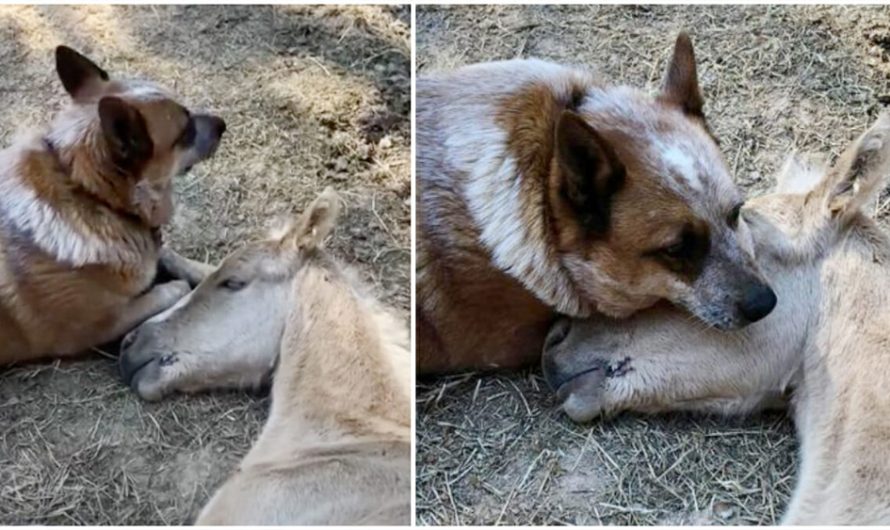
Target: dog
x=825, y=346
x=81, y=208
x=543, y=190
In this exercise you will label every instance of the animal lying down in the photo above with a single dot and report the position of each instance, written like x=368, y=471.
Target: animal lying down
x=336, y=448
x=82, y=204
x=545, y=190
x=827, y=341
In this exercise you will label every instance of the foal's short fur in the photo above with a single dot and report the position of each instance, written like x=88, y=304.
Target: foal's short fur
x=337, y=446
x=828, y=341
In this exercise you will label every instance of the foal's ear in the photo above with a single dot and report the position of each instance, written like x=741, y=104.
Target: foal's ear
x=858, y=175
x=317, y=221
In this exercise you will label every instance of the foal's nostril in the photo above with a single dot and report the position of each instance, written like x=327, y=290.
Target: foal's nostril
x=757, y=302
x=129, y=339
x=220, y=126
x=558, y=332
x=552, y=373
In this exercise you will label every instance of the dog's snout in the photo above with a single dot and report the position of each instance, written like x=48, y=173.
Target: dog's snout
x=757, y=302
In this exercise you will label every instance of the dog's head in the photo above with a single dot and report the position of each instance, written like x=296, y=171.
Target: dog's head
x=645, y=208
x=124, y=140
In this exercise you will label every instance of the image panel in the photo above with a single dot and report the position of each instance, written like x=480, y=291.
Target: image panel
x=205, y=247
x=650, y=264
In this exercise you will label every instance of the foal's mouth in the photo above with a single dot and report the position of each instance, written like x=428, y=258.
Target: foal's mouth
x=130, y=365
x=564, y=384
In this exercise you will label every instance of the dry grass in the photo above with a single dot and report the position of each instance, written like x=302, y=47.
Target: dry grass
x=313, y=96
x=775, y=78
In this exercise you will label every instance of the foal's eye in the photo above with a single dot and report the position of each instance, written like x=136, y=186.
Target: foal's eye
x=232, y=284
x=733, y=218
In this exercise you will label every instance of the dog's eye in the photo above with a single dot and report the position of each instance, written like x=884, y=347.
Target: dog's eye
x=676, y=251
x=733, y=218
x=233, y=285
x=682, y=249
x=686, y=254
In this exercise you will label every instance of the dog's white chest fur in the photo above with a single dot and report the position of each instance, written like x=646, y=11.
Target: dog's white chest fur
x=24, y=212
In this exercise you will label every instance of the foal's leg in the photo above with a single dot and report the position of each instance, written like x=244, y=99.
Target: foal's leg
x=661, y=361
x=145, y=306
x=182, y=268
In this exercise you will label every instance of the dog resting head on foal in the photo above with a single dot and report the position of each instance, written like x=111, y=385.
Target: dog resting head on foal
x=537, y=178
x=826, y=341
x=81, y=206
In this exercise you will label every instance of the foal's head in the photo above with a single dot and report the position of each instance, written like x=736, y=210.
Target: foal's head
x=227, y=332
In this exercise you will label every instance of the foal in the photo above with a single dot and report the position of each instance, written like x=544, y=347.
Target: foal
x=336, y=448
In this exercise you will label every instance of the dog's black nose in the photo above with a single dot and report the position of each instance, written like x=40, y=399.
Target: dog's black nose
x=757, y=302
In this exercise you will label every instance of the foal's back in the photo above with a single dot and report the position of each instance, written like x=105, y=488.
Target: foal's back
x=366, y=483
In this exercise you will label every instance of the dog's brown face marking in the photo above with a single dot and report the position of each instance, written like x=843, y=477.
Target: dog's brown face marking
x=637, y=196
x=124, y=140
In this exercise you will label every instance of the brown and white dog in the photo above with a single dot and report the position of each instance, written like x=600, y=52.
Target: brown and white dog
x=81, y=206
x=543, y=190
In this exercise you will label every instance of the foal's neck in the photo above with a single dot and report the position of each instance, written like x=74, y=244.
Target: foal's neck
x=339, y=377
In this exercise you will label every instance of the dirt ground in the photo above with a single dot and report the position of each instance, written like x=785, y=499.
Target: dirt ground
x=492, y=449
x=313, y=96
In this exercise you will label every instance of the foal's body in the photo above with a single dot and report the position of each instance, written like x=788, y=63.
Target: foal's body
x=828, y=342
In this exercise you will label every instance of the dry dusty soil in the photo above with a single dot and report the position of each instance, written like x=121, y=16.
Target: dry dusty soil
x=492, y=448
x=313, y=96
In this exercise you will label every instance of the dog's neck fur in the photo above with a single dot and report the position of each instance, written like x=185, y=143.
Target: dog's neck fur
x=521, y=246
x=37, y=181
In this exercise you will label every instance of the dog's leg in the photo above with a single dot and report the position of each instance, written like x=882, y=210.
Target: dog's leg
x=140, y=309
x=663, y=361
x=179, y=267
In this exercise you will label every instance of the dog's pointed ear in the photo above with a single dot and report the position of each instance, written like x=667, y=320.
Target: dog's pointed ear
x=590, y=172
x=316, y=222
x=125, y=131
x=858, y=175
x=680, y=87
x=80, y=76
